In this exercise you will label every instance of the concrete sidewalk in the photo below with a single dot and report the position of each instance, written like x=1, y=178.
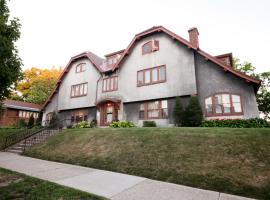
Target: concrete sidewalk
x=112, y=185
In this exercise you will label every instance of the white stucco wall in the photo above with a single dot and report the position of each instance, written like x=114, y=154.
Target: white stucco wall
x=180, y=70
x=90, y=75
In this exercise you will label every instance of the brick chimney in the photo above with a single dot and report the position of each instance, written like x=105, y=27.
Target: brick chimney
x=194, y=37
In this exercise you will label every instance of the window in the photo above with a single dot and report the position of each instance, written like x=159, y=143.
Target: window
x=78, y=116
x=223, y=104
x=110, y=84
x=151, y=76
x=154, y=110
x=150, y=47
x=80, y=67
x=79, y=90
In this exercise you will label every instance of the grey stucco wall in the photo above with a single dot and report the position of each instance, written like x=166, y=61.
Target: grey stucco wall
x=211, y=79
x=51, y=107
x=180, y=70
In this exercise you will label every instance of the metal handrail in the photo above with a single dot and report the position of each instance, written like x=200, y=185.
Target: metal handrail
x=25, y=134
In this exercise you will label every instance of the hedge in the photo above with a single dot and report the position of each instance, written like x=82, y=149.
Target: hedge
x=237, y=123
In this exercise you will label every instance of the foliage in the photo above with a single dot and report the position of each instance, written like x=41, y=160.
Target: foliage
x=193, y=113
x=82, y=124
x=122, y=124
x=236, y=123
x=149, y=124
x=54, y=122
x=263, y=95
x=22, y=123
x=10, y=63
x=178, y=112
x=39, y=119
x=37, y=84
x=31, y=121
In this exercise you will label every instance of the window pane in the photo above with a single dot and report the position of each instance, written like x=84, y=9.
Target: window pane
x=208, y=105
x=218, y=103
x=108, y=85
x=115, y=83
x=153, y=105
x=142, y=106
x=147, y=48
x=237, y=107
x=226, y=103
x=85, y=89
x=104, y=84
x=153, y=113
x=112, y=85
x=162, y=73
x=83, y=67
x=147, y=76
x=141, y=114
x=140, y=78
x=235, y=98
x=164, y=104
x=81, y=89
x=155, y=75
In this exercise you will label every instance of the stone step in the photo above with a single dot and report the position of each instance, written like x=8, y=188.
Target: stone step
x=14, y=151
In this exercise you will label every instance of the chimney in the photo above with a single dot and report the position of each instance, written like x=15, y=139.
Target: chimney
x=194, y=37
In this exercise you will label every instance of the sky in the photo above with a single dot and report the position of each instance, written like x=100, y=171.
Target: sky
x=55, y=30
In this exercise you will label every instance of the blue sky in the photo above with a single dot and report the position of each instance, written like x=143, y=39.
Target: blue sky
x=55, y=30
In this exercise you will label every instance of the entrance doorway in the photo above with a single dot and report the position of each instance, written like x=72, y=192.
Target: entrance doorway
x=108, y=113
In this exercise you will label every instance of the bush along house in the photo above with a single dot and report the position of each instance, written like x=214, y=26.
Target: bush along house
x=141, y=83
x=17, y=110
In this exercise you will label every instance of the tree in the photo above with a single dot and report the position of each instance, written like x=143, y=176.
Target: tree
x=54, y=122
x=193, y=115
x=10, y=62
x=263, y=95
x=37, y=84
x=39, y=119
x=178, y=112
x=31, y=121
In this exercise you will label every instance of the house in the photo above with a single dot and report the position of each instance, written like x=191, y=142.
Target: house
x=142, y=81
x=17, y=110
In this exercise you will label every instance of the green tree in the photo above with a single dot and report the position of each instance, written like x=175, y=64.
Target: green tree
x=31, y=121
x=39, y=119
x=54, y=122
x=178, y=112
x=10, y=62
x=193, y=115
x=263, y=95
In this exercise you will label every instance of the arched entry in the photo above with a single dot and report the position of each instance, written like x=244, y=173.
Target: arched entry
x=108, y=110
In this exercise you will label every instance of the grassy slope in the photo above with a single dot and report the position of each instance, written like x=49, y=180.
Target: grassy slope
x=229, y=160
x=5, y=132
x=18, y=186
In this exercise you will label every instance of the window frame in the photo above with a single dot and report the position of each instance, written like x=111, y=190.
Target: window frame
x=160, y=110
x=80, y=67
x=231, y=113
x=152, y=42
x=80, y=95
x=108, y=82
x=151, y=69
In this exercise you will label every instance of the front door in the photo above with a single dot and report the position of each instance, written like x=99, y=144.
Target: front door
x=108, y=113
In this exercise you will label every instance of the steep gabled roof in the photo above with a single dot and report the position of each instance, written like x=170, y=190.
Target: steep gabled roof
x=8, y=103
x=176, y=37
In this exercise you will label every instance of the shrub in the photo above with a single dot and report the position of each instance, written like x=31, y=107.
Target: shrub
x=22, y=123
x=193, y=114
x=122, y=124
x=236, y=123
x=178, y=112
x=82, y=124
x=93, y=123
x=149, y=124
x=31, y=121
x=54, y=122
x=39, y=119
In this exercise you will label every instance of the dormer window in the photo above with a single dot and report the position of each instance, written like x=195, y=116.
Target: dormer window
x=80, y=67
x=150, y=47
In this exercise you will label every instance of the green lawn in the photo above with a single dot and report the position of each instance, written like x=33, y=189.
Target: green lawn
x=235, y=161
x=18, y=186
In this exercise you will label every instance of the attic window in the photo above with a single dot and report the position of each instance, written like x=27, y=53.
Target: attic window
x=80, y=67
x=150, y=47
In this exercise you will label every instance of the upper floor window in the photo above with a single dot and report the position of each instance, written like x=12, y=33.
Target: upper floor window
x=110, y=84
x=151, y=75
x=154, y=110
x=223, y=104
x=80, y=67
x=79, y=90
x=150, y=46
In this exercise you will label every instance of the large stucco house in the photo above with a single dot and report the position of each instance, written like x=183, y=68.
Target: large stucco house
x=142, y=81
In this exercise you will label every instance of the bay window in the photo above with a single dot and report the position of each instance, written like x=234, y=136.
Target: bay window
x=223, y=104
x=153, y=110
x=151, y=76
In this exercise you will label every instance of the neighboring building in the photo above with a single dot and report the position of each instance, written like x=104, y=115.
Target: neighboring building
x=16, y=110
x=142, y=81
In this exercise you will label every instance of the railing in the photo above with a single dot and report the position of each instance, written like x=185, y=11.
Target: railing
x=27, y=133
